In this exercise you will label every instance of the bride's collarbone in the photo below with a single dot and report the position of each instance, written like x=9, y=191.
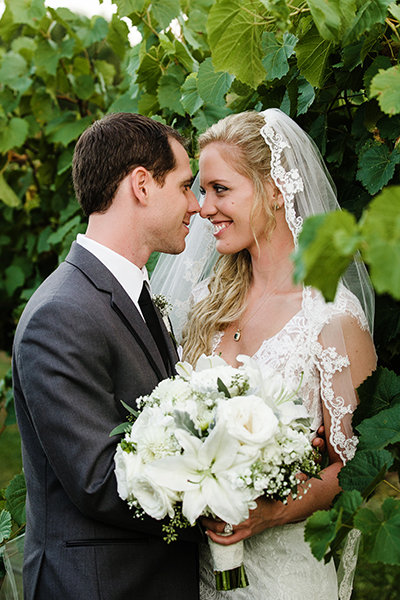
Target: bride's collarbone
x=248, y=343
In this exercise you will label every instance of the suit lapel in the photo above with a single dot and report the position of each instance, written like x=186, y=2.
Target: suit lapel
x=104, y=281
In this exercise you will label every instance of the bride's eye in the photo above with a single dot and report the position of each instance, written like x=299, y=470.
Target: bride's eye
x=202, y=191
x=219, y=188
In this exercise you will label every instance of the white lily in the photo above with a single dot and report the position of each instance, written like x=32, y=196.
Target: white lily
x=202, y=473
x=209, y=362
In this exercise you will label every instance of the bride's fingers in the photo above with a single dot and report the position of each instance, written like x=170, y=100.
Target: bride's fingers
x=226, y=540
x=215, y=525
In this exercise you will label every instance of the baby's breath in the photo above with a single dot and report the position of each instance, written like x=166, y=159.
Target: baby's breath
x=162, y=303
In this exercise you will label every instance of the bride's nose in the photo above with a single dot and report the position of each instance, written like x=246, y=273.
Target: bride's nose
x=207, y=207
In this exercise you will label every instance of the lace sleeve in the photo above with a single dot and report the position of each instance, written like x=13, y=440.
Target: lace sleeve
x=345, y=357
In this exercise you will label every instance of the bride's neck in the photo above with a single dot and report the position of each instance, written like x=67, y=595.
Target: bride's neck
x=272, y=265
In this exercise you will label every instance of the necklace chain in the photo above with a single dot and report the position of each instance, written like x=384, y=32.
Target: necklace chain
x=238, y=333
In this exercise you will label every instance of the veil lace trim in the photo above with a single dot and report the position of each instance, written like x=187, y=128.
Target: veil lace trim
x=289, y=182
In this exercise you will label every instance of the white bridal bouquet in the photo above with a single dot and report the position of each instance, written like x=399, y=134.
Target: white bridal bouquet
x=209, y=441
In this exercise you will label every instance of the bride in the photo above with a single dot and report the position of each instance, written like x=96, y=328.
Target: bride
x=260, y=176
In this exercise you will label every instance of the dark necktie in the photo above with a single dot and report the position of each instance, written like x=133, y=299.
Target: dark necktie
x=152, y=322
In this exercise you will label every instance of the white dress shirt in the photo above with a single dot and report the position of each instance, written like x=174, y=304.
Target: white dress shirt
x=127, y=274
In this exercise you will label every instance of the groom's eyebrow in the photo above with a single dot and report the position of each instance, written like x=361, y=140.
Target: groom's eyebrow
x=188, y=181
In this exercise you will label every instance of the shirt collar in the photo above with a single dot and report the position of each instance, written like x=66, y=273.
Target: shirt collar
x=129, y=275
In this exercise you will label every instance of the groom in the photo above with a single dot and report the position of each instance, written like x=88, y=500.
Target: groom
x=89, y=338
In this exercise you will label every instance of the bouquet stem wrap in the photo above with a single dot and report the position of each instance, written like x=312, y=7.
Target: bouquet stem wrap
x=228, y=565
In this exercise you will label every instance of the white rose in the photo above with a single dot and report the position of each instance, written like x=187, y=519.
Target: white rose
x=127, y=466
x=155, y=500
x=248, y=419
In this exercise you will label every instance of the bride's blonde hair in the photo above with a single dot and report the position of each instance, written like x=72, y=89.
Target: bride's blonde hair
x=244, y=148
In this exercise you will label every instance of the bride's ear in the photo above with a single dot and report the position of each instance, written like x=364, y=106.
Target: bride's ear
x=275, y=196
x=141, y=181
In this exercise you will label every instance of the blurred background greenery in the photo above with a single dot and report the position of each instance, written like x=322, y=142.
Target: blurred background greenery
x=334, y=70
x=10, y=442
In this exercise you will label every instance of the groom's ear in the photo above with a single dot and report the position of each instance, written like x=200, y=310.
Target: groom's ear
x=141, y=181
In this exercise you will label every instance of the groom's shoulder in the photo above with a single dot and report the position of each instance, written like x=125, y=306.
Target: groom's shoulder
x=68, y=288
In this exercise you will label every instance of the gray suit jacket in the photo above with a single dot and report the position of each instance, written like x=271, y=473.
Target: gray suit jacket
x=80, y=348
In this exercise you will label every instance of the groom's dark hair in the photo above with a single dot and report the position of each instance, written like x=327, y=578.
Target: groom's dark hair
x=111, y=148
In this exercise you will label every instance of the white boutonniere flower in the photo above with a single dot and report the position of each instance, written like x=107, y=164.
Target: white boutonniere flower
x=165, y=307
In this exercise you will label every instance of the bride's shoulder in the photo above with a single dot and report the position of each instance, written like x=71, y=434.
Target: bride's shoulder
x=345, y=305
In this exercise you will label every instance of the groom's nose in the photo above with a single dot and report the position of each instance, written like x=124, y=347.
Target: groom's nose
x=193, y=205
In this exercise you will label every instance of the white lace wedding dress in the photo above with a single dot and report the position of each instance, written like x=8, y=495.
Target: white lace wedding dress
x=278, y=562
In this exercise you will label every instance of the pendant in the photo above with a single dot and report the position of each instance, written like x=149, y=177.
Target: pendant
x=236, y=335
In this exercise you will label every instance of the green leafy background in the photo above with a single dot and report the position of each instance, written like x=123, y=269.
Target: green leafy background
x=332, y=66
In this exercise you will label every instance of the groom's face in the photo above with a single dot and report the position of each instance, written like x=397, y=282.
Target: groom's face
x=173, y=204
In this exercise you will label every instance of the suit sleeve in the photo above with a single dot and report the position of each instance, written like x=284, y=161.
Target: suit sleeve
x=65, y=376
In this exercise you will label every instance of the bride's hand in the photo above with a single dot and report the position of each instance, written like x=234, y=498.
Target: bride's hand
x=267, y=514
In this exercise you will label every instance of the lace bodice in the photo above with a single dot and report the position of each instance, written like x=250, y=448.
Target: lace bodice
x=303, y=353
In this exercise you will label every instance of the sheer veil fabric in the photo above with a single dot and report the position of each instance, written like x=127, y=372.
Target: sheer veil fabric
x=300, y=174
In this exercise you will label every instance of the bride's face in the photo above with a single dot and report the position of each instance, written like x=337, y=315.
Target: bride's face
x=227, y=202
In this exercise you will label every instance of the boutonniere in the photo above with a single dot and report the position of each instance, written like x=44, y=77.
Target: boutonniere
x=165, y=307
